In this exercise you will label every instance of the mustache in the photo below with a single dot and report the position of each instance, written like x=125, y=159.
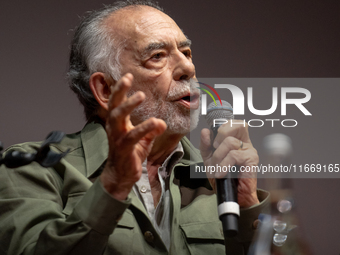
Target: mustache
x=183, y=88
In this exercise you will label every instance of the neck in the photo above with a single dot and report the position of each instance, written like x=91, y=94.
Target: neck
x=162, y=148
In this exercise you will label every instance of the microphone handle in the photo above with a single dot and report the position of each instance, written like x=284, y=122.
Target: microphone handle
x=228, y=208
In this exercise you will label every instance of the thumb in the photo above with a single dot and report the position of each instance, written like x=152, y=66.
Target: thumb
x=146, y=142
x=158, y=129
x=205, y=144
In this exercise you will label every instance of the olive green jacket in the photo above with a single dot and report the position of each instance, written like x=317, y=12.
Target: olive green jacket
x=65, y=210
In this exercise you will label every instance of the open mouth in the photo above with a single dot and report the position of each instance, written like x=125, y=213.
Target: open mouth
x=190, y=101
x=187, y=98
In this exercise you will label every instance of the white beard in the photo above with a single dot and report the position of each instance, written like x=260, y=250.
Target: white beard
x=179, y=120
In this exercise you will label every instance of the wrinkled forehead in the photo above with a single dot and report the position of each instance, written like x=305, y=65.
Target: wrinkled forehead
x=142, y=24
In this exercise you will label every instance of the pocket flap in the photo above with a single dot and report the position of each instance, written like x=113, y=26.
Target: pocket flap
x=203, y=231
x=127, y=220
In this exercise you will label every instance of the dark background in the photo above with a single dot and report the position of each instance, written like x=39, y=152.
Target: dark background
x=230, y=39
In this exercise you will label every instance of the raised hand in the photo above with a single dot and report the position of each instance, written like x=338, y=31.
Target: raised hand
x=128, y=145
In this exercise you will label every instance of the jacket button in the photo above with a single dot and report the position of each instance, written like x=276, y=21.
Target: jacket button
x=149, y=236
x=143, y=189
x=256, y=224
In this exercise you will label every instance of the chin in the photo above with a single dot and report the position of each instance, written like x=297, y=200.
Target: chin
x=182, y=124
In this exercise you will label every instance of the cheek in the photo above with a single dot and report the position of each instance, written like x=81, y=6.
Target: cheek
x=153, y=84
x=153, y=75
x=146, y=86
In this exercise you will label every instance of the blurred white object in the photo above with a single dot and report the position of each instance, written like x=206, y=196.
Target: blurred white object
x=279, y=145
x=279, y=239
x=284, y=206
x=279, y=226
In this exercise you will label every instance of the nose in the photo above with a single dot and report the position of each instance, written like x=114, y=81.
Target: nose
x=184, y=68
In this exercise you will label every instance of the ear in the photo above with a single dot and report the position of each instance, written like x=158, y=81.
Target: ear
x=100, y=85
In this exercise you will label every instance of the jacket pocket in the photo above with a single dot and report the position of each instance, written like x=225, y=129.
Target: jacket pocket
x=204, y=237
x=121, y=241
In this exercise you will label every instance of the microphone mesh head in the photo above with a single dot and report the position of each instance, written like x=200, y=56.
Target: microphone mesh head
x=219, y=112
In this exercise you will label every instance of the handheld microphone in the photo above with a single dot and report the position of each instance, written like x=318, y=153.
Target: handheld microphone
x=228, y=208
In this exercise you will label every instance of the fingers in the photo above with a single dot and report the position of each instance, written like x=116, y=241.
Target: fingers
x=120, y=107
x=119, y=116
x=205, y=144
x=240, y=158
x=128, y=145
x=228, y=144
x=234, y=128
x=229, y=153
x=118, y=123
x=148, y=130
x=118, y=91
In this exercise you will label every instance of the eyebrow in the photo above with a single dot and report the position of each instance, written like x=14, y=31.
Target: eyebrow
x=162, y=45
x=186, y=43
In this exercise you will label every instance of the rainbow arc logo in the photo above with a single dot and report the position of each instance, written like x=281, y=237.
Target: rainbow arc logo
x=209, y=93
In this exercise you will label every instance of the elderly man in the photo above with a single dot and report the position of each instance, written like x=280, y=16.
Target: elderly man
x=125, y=187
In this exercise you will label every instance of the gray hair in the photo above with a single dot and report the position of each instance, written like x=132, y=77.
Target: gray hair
x=94, y=49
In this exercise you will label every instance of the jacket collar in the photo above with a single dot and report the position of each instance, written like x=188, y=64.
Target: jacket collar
x=95, y=145
x=191, y=154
